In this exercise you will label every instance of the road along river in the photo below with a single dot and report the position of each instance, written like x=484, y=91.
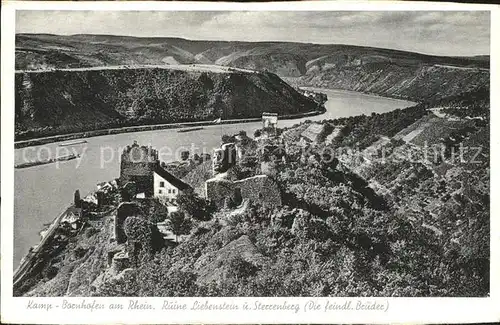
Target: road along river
x=43, y=192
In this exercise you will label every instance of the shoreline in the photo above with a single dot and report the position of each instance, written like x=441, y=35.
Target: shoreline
x=369, y=94
x=141, y=128
x=28, y=261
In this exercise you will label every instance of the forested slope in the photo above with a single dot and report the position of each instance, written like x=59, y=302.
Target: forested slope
x=58, y=102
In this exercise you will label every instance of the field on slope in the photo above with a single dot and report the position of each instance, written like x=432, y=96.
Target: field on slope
x=384, y=72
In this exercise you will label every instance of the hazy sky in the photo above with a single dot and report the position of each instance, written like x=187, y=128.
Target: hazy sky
x=432, y=32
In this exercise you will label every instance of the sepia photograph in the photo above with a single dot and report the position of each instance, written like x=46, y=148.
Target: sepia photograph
x=251, y=154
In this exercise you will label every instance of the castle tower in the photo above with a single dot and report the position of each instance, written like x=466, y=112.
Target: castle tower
x=269, y=121
x=217, y=161
x=137, y=165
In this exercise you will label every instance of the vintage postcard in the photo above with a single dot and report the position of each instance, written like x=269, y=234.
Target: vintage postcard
x=289, y=163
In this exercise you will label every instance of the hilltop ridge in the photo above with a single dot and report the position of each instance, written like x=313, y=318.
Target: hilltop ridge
x=416, y=76
x=85, y=43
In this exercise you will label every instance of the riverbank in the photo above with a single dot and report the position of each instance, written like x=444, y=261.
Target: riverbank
x=357, y=93
x=128, y=129
x=31, y=259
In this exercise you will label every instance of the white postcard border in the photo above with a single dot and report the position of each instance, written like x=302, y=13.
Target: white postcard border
x=407, y=310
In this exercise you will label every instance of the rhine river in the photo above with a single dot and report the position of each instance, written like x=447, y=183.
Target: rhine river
x=43, y=192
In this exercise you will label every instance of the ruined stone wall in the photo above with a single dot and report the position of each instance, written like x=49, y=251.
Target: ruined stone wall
x=260, y=188
x=218, y=190
x=133, y=248
x=224, y=157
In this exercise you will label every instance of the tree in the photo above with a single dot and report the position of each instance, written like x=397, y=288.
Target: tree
x=138, y=229
x=257, y=133
x=195, y=206
x=227, y=139
x=180, y=224
x=145, y=233
x=184, y=155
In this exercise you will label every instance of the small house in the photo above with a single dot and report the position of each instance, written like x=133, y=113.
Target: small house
x=167, y=186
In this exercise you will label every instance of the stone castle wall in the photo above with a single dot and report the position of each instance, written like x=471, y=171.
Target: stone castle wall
x=219, y=190
x=125, y=210
x=137, y=165
x=260, y=188
x=224, y=157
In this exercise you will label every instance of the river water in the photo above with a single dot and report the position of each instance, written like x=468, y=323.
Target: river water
x=43, y=192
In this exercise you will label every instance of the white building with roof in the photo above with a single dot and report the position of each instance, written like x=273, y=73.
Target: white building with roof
x=166, y=186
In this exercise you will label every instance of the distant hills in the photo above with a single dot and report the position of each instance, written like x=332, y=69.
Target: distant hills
x=384, y=72
x=391, y=73
x=35, y=51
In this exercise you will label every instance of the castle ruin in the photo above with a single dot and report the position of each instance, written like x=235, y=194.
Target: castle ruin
x=224, y=158
x=259, y=188
x=138, y=164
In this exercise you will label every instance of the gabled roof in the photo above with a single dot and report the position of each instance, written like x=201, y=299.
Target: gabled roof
x=75, y=211
x=169, y=177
